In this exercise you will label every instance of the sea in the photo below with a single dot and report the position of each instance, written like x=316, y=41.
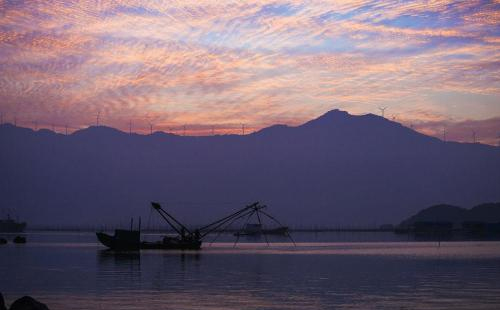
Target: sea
x=326, y=270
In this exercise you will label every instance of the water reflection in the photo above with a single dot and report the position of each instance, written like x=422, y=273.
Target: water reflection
x=318, y=275
x=126, y=262
x=117, y=271
x=119, y=257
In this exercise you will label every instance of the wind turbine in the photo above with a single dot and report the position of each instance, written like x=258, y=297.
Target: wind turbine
x=150, y=128
x=66, y=129
x=243, y=129
x=473, y=136
x=444, y=134
x=184, y=130
x=97, y=118
x=130, y=127
x=382, y=110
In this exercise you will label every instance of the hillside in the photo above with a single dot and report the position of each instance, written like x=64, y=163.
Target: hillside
x=487, y=212
x=338, y=169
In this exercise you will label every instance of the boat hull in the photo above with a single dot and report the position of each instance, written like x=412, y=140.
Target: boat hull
x=117, y=243
x=191, y=245
x=130, y=242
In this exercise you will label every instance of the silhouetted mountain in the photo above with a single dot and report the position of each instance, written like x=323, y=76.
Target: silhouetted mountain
x=438, y=213
x=337, y=169
x=487, y=212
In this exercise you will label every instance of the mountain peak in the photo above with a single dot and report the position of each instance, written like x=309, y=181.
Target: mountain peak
x=98, y=130
x=334, y=114
x=330, y=117
x=337, y=112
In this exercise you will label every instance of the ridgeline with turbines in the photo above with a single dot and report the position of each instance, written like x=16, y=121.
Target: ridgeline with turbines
x=338, y=169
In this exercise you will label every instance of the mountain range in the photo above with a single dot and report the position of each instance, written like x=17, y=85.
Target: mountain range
x=338, y=169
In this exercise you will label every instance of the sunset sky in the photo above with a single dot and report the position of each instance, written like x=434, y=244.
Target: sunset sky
x=433, y=64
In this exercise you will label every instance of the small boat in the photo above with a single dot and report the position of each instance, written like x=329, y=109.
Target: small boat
x=9, y=225
x=257, y=230
x=19, y=240
x=130, y=240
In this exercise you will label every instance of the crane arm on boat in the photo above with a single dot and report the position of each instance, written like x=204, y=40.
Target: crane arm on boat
x=226, y=221
x=180, y=228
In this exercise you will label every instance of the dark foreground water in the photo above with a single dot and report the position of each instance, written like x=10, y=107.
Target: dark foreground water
x=71, y=271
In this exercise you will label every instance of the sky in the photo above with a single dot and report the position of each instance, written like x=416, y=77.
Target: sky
x=214, y=65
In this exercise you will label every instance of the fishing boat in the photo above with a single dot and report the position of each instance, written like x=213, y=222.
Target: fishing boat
x=184, y=238
x=9, y=225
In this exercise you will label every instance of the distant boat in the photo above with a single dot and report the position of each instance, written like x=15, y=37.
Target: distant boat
x=257, y=229
x=9, y=225
x=19, y=239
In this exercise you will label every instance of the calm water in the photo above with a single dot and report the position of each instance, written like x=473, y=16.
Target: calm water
x=324, y=271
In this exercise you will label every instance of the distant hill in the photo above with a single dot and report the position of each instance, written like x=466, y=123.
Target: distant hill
x=487, y=212
x=338, y=169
